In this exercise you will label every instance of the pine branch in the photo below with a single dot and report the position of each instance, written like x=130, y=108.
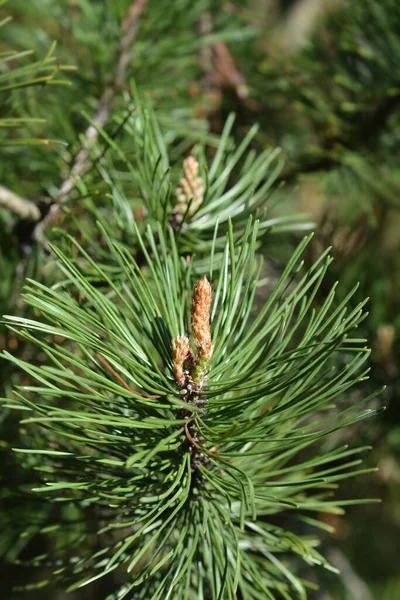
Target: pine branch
x=168, y=424
x=130, y=28
x=197, y=196
x=179, y=477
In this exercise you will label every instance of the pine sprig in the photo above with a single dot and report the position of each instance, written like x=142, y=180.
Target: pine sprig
x=196, y=196
x=181, y=493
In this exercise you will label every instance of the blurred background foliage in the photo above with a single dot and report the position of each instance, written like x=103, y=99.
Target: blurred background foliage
x=322, y=78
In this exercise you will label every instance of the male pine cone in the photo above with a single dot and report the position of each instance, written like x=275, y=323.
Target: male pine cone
x=188, y=368
x=201, y=305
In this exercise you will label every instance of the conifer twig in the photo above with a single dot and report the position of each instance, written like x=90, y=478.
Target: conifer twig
x=130, y=28
x=26, y=209
x=226, y=71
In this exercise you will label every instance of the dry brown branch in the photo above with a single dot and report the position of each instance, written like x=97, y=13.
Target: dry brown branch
x=220, y=71
x=130, y=28
x=226, y=73
x=21, y=206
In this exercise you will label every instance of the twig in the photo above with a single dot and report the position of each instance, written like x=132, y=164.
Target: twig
x=220, y=69
x=130, y=28
x=26, y=209
x=226, y=72
x=218, y=64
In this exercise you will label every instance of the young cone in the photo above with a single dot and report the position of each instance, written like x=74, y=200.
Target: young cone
x=180, y=354
x=190, y=189
x=201, y=304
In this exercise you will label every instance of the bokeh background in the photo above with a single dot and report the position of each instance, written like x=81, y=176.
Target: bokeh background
x=322, y=79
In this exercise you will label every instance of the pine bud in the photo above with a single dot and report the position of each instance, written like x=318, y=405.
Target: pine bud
x=191, y=188
x=201, y=305
x=180, y=353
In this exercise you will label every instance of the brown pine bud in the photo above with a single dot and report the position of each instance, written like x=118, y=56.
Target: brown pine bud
x=191, y=188
x=201, y=305
x=180, y=353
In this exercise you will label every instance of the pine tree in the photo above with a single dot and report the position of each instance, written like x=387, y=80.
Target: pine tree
x=176, y=435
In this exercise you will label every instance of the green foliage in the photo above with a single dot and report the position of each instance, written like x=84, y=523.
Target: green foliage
x=106, y=425
x=120, y=474
x=334, y=108
x=355, y=110
x=140, y=173
x=336, y=112
x=341, y=92
x=16, y=77
x=22, y=75
x=156, y=60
